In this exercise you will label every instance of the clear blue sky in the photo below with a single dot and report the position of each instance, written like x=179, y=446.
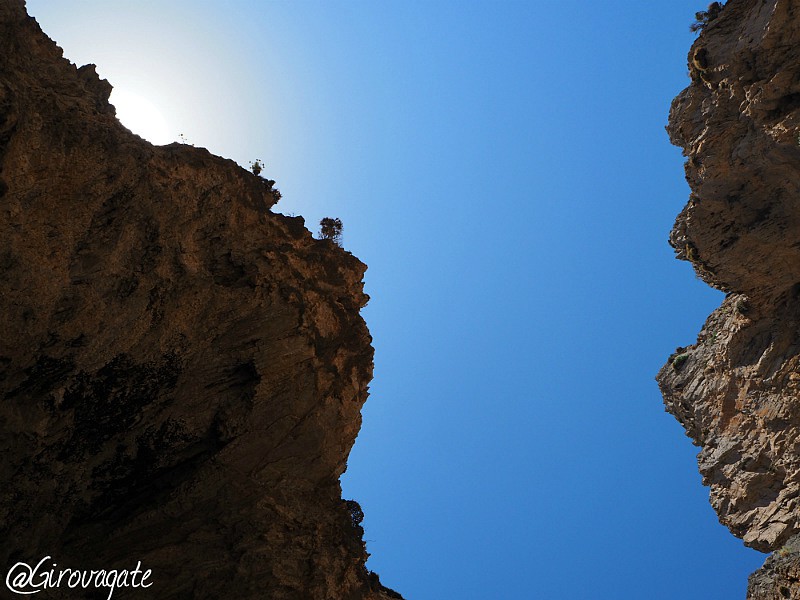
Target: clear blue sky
x=503, y=169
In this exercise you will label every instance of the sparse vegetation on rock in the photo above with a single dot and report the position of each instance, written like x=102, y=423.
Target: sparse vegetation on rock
x=679, y=360
x=356, y=513
x=704, y=17
x=257, y=166
x=331, y=229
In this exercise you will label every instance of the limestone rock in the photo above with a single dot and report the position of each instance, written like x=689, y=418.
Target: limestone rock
x=181, y=369
x=737, y=390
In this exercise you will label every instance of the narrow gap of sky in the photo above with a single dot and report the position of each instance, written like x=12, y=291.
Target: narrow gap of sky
x=503, y=170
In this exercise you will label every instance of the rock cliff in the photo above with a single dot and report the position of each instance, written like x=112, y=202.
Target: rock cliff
x=181, y=369
x=736, y=391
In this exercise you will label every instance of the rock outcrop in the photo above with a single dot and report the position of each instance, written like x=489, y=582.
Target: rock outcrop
x=181, y=369
x=737, y=390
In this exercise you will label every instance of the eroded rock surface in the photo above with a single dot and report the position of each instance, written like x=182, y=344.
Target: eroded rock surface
x=737, y=390
x=181, y=370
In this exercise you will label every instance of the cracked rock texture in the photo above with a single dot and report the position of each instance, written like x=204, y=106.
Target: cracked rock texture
x=181, y=370
x=736, y=391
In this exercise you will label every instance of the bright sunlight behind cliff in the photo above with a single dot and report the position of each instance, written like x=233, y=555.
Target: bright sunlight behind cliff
x=141, y=116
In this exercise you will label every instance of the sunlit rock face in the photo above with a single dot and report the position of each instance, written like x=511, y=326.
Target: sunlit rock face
x=181, y=370
x=737, y=390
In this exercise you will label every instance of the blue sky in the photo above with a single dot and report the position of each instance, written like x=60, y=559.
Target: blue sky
x=502, y=167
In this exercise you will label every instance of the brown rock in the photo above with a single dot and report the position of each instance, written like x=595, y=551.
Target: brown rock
x=181, y=370
x=737, y=390
x=779, y=576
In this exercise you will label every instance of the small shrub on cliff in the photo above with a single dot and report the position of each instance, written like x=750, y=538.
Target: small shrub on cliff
x=331, y=229
x=356, y=513
x=257, y=166
x=679, y=361
x=704, y=17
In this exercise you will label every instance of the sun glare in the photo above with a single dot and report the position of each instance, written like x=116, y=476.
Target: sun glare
x=142, y=117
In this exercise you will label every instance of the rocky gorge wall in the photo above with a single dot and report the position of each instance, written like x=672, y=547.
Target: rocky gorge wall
x=181, y=369
x=736, y=391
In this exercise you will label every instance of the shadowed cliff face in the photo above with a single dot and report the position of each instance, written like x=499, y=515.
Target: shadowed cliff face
x=181, y=370
x=737, y=390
